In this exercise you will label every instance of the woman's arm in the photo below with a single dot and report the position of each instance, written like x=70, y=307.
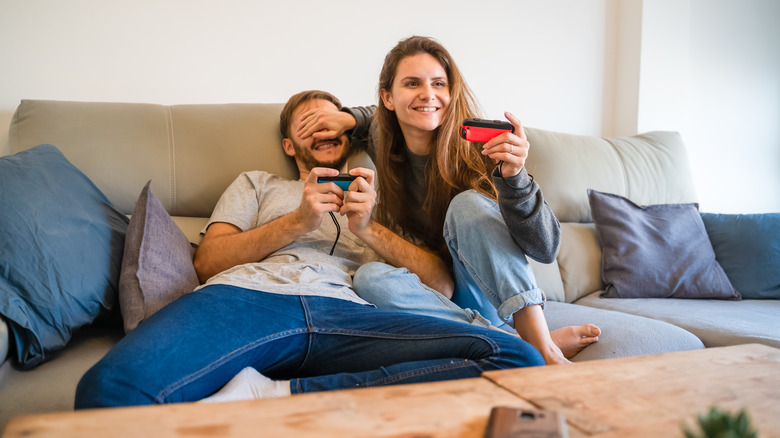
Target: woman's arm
x=531, y=222
x=359, y=204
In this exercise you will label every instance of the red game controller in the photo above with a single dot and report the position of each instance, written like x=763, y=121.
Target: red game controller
x=482, y=130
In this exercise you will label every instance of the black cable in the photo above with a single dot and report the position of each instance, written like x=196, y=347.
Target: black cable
x=338, y=232
x=510, y=185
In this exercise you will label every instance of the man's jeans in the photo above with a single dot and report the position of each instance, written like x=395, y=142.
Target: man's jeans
x=192, y=347
x=493, y=279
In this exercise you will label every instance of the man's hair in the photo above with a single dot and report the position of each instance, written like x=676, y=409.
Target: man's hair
x=285, y=119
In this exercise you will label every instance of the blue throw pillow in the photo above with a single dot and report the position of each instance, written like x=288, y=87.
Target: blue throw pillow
x=656, y=251
x=61, y=244
x=748, y=248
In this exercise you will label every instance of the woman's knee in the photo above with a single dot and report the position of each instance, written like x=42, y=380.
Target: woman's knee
x=370, y=281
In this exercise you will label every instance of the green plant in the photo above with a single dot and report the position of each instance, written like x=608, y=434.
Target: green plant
x=720, y=424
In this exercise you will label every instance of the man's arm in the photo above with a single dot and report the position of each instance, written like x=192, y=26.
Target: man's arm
x=397, y=251
x=225, y=245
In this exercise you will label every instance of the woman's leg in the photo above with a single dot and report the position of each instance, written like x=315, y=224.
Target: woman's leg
x=398, y=289
x=492, y=274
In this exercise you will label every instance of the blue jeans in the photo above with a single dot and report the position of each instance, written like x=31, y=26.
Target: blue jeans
x=192, y=347
x=493, y=279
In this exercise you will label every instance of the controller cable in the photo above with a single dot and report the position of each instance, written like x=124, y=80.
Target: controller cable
x=338, y=232
x=501, y=174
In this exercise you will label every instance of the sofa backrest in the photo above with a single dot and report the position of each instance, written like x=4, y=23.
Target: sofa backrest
x=193, y=152
x=190, y=152
x=650, y=168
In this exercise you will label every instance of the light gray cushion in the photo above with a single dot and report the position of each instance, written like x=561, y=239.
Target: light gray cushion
x=157, y=263
x=579, y=260
x=717, y=323
x=650, y=168
x=657, y=251
x=622, y=335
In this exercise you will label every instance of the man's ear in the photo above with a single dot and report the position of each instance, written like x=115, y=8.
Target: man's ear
x=386, y=99
x=288, y=147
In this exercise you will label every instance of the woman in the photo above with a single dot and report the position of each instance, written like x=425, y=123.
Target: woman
x=467, y=223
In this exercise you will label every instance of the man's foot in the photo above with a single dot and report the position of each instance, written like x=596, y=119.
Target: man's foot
x=572, y=339
x=249, y=385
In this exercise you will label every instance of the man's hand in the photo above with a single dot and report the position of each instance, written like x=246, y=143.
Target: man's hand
x=323, y=123
x=360, y=200
x=318, y=198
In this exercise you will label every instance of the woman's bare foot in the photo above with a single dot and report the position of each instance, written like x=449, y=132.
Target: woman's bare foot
x=572, y=339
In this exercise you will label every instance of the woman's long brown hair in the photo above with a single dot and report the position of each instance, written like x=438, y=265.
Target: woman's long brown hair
x=455, y=165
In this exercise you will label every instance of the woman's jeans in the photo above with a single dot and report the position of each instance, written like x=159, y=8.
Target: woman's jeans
x=192, y=347
x=493, y=279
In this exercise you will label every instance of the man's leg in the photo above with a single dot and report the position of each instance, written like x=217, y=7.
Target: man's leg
x=193, y=346
x=355, y=346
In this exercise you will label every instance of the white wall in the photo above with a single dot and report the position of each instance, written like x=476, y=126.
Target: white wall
x=711, y=70
x=579, y=66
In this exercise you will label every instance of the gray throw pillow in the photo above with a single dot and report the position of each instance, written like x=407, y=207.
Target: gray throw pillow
x=656, y=251
x=157, y=264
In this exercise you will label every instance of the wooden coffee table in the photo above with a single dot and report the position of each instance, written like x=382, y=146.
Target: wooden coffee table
x=645, y=396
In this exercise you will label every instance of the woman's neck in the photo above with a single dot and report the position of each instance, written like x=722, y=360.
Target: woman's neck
x=418, y=142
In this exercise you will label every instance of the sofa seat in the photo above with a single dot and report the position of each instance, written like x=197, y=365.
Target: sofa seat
x=718, y=323
x=622, y=334
x=51, y=386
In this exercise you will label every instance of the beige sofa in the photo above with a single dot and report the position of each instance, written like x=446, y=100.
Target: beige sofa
x=193, y=152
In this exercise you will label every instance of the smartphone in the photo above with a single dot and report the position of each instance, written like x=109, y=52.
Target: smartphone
x=343, y=180
x=482, y=130
x=508, y=422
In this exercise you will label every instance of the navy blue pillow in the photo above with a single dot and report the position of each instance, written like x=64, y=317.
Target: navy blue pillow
x=656, y=251
x=61, y=244
x=748, y=248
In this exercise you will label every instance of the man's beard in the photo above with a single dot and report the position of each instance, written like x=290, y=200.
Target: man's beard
x=309, y=162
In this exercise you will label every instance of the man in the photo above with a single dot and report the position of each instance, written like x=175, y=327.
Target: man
x=277, y=312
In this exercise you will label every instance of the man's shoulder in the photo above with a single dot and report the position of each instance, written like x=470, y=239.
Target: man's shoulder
x=260, y=178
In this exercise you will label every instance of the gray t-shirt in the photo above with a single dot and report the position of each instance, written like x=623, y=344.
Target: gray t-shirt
x=302, y=267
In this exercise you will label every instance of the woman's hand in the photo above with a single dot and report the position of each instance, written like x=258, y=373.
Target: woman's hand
x=323, y=123
x=510, y=148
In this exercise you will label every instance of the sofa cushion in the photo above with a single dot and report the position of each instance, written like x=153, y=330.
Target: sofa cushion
x=622, y=335
x=157, y=263
x=717, y=323
x=747, y=246
x=51, y=387
x=61, y=246
x=657, y=251
x=579, y=260
x=651, y=168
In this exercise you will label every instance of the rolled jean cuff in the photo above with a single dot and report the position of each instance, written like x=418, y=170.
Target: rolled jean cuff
x=513, y=304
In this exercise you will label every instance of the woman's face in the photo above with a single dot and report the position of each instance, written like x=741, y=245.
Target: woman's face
x=420, y=94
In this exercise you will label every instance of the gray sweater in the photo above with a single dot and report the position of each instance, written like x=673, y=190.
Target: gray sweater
x=531, y=222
